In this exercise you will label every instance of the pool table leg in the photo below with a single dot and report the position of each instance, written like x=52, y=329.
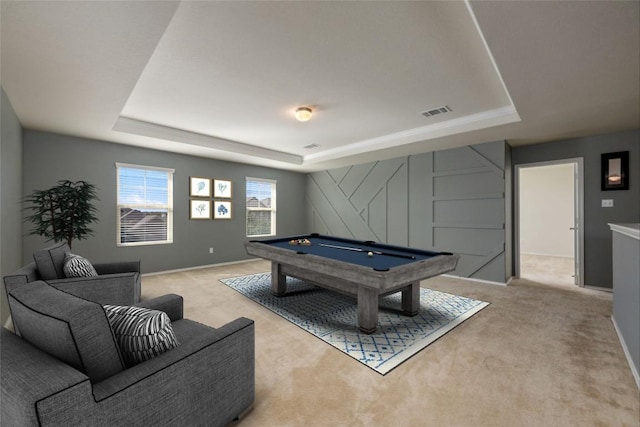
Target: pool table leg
x=367, y=309
x=278, y=280
x=411, y=299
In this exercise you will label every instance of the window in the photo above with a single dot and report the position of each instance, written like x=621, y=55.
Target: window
x=261, y=207
x=145, y=205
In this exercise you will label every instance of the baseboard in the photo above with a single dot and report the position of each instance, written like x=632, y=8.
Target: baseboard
x=197, y=267
x=598, y=288
x=634, y=370
x=489, y=282
x=548, y=255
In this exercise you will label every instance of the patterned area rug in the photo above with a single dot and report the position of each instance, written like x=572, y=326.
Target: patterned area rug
x=332, y=317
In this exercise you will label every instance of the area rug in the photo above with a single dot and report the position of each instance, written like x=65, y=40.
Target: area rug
x=332, y=317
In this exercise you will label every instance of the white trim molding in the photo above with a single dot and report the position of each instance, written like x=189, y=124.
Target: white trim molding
x=634, y=371
x=631, y=230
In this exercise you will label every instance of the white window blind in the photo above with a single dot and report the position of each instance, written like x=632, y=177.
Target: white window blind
x=261, y=207
x=145, y=205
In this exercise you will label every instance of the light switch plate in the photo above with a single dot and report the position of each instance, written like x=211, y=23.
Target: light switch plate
x=607, y=203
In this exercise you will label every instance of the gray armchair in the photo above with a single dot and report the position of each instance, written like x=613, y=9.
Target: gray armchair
x=116, y=283
x=66, y=370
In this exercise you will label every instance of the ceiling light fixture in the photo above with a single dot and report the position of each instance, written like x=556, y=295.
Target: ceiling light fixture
x=303, y=114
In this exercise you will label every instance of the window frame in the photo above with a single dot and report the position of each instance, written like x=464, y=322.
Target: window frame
x=169, y=207
x=272, y=209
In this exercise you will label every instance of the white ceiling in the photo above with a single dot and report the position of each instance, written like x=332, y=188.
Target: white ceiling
x=223, y=79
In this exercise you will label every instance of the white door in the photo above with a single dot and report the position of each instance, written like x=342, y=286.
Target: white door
x=549, y=221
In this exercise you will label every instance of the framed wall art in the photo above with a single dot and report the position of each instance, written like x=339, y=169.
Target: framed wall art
x=199, y=209
x=221, y=209
x=221, y=189
x=199, y=187
x=615, y=171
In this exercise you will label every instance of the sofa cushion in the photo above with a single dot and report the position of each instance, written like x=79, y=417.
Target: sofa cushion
x=77, y=266
x=74, y=330
x=141, y=333
x=50, y=261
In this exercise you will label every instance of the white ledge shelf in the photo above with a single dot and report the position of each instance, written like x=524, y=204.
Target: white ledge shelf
x=631, y=230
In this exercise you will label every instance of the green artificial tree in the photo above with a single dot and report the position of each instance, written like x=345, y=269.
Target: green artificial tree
x=63, y=212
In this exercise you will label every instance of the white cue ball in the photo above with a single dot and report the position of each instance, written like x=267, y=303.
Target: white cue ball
x=369, y=253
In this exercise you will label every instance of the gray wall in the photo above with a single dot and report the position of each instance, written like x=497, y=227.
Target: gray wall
x=451, y=200
x=457, y=200
x=597, y=236
x=10, y=195
x=50, y=157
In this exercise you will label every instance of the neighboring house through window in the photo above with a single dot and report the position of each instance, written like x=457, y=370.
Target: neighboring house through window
x=261, y=207
x=145, y=205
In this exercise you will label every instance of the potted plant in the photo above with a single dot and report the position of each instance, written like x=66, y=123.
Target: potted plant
x=63, y=212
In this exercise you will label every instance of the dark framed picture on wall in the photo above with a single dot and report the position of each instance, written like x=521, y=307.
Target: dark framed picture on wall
x=221, y=188
x=615, y=171
x=199, y=187
x=199, y=209
x=221, y=209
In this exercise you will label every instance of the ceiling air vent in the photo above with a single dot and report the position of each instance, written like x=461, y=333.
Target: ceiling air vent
x=436, y=111
x=310, y=146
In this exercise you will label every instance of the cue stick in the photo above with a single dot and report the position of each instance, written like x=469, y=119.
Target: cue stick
x=348, y=248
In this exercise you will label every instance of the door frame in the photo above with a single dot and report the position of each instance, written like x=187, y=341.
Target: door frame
x=578, y=195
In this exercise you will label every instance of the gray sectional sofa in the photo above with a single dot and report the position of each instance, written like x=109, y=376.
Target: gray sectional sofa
x=65, y=367
x=117, y=283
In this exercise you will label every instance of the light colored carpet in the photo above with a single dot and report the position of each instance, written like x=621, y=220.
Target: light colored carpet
x=537, y=356
x=332, y=317
x=550, y=270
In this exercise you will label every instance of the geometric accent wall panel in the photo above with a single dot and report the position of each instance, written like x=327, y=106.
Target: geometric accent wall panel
x=367, y=201
x=468, y=208
x=450, y=200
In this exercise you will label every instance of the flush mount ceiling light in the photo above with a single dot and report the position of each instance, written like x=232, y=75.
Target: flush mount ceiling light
x=303, y=114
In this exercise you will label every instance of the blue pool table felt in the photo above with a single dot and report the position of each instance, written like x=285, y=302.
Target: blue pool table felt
x=377, y=262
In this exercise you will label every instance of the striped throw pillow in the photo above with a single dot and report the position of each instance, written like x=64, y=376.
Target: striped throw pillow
x=77, y=266
x=141, y=333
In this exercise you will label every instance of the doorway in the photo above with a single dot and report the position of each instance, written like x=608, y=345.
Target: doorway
x=549, y=224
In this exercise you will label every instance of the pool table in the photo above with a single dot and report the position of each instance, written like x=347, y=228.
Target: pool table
x=363, y=269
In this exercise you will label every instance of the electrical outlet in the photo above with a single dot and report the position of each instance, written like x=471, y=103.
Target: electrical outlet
x=210, y=250
x=607, y=203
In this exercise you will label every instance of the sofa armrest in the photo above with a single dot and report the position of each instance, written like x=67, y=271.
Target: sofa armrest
x=29, y=376
x=118, y=267
x=211, y=369
x=171, y=304
x=26, y=274
x=116, y=289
